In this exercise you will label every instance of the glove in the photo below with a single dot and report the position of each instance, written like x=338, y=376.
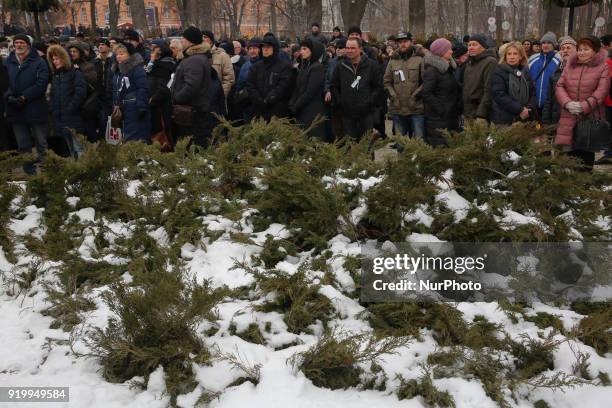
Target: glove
x=141, y=114
x=269, y=100
x=574, y=108
x=16, y=101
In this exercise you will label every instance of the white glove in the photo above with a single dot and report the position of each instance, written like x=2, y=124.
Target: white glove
x=574, y=108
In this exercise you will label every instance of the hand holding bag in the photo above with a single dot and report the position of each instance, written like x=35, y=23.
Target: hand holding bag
x=116, y=117
x=591, y=135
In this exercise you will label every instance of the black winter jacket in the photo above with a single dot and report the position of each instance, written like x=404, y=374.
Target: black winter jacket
x=441, y=95
x=551, y=112
x=192, y=79
x=505, y=109
x=356, y=90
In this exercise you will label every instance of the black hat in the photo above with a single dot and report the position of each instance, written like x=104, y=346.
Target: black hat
x=403, y=36
x=459, y=50
x=131, y=35
x=209, y=34
x=307, y=42
x=480, y=39
x=466, y=38
x=536, y=42
x=193, y=35
x=336, y=28
x=254, y=42
x=104, y=41
x=354, y=29
x=270, y=39
x=228, y=48
x=315, y=24
x=23, y=37
x=340, y=43
x=80, y=35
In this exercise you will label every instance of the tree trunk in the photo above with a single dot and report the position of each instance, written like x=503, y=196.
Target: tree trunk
x=314, y=11
x=352, y=12
x=92, y=14
x=466, y=17
x=139, y=18
x=37, y=24
x=113, y=16
x=416, y=14
x=554, y=19
x=205, y=14
x=499, y=19
x=273, y=25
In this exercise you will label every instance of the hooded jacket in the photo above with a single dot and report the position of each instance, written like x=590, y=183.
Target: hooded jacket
x=192, y=78
x=476, y=85
x=441, y=95
x=131, y=93
x=270, y=84
x=356, y=90
x=86, y=67
x=28, y=79
x=588, y=84
x=307, y=100
x=542, y=67
x=68, y=93
x=403, y=80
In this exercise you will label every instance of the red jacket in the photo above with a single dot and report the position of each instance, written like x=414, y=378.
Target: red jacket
x=609, y=61
x=582, y=82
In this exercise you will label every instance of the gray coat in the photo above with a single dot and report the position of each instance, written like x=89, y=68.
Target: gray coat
x=192, y=79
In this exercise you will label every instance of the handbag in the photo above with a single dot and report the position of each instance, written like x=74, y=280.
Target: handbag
x=592, y=135
x=116, y=117
x=182, y=115
x=113, y=135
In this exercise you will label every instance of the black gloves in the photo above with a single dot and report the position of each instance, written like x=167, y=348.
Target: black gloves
x=142, y=113
x=16, y=102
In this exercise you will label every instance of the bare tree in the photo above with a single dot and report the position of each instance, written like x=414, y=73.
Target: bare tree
x=352, y=12
x=234, y=9
x=139, y=17
x=113, y=15
x=417, y=17
x=554, y=19
x=92, y=14
x=314, y=9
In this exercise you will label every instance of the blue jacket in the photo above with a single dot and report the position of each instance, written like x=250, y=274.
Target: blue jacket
x=244, y=73
x=29, y=79
x=68, y=93
x=541, y=68
x=131, y=93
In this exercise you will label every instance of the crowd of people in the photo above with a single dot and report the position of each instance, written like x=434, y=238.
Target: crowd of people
x=333, y=87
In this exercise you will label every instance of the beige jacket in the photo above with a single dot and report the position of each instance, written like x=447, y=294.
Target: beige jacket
x=222, y=63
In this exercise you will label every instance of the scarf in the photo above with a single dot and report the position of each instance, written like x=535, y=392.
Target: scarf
x=518, y=86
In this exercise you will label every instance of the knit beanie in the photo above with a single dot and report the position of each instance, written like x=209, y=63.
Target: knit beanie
x=23, y=37
x=440, y=47
x=131, y=35
x=567, y=40
x=307, y=42
x=193, y=35
x=549, y=37
x=480, y=39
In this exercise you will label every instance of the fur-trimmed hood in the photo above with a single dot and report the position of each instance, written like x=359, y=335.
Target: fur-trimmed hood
x=61, y=53
x=203, y=48
x=132, y=62
x=439, y=63
x=597, y=59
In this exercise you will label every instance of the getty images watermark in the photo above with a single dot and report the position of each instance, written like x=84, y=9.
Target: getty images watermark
x=449, y=271
x=412, y=264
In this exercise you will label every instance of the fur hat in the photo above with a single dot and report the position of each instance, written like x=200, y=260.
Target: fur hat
x=193, y=35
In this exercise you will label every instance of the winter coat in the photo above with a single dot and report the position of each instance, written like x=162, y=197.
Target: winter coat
x=609, y=62
x=582, y=82
x=68, y=93
x=270, y=84
x=505, y=109
x=403, y=79
x=441, y=95
x=131, y=93
x=476, y=85
x=362, y=98
x=542, y=67
x=551, y=111
x=157, y=78
x=307, y=100
x=192, y=79
x=329, y=72
x=105, y=77
x=243, y=76
x=317, y=37
x=216, y=96
x=222, y=63
x=30, y=79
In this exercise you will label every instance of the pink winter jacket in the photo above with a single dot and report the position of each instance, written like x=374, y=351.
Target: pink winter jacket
x=580, y=82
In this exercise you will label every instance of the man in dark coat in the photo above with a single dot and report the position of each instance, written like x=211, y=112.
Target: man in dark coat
x=26, y=108
x=307, y=100
x=270, y=82
x=315, y=34
x=191, y=83
x=476, y=79
x=356, y=88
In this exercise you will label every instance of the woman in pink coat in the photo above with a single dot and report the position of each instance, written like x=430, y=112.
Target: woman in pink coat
x=581, y=92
